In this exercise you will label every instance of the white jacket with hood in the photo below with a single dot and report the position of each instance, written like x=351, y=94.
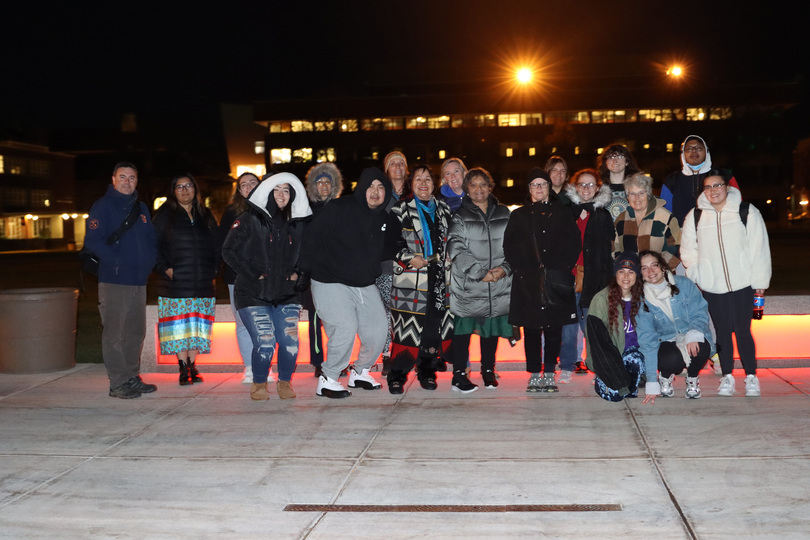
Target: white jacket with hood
x=723, y=255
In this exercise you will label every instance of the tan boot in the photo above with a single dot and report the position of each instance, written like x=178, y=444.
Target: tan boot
x=285, y=390
x=258, y=392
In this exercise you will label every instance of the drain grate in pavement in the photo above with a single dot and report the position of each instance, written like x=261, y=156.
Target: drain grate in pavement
x=453, y=508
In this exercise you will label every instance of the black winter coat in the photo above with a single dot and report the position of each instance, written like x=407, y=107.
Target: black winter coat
x=189, y=249
x=597, y=244
x=542, y=244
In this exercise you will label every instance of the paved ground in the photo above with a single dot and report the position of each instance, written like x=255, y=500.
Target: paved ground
x=206, y=462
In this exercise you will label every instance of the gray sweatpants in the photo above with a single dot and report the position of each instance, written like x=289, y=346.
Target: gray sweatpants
x=347, y=312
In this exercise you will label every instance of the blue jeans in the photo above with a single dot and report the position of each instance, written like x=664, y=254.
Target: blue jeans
x=268, y=325
x=242, y=335
x=571, y=349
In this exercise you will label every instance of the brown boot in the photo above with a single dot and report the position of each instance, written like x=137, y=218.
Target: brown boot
x=258, y=392
x=285, y=390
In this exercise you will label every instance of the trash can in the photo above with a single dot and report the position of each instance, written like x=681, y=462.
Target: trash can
x=38, y=330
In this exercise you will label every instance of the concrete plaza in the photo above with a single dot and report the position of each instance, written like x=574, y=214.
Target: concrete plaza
x=204, y=461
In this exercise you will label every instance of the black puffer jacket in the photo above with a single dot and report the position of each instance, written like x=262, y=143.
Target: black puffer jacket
x=263, y=246
x=189, y=249
x=475, y=245
x=542, y=293
x=597, y=244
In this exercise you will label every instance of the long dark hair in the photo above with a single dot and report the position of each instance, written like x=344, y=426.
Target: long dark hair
x=662, y=264
x=197, y=209
x=615, y=308
x=630, y=168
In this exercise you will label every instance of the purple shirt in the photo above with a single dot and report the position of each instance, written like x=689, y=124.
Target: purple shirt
x=630, y=336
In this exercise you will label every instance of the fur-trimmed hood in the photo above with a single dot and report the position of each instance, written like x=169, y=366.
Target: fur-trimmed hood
x=261, y=195
x=601, y=200
x=329, y=170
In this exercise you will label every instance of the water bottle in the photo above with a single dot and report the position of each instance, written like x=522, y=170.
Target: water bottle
x=759, y=306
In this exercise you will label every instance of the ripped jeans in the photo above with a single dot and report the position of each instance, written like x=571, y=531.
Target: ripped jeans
x=268, y=325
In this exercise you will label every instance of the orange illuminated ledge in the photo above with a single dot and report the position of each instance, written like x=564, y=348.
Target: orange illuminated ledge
x=777, y=336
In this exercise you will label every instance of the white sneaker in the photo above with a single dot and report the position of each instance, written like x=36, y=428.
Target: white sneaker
x=692, y=387
x=752, y=386
x=330, y=388
x=565, y=377
x=247, y=378
x=726, y=387
x=364, y=380
x=666, y=385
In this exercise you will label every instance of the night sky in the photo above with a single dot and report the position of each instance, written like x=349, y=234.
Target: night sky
x=81, y=65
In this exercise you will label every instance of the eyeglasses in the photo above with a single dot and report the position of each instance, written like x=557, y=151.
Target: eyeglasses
x=538, y=185
x=589, y=185
x=713, y=186
x=324, y=183
x=693, y=149
x=183, y=187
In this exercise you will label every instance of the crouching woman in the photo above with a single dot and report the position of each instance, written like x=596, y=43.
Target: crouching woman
x=611, y=340
x=673, y=329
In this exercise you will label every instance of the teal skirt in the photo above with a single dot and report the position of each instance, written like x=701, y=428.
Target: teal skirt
x=484, y=327
x=185, y=324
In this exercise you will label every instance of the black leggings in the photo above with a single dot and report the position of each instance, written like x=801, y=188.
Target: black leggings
x=732, y=313
x=532, y=344
x=670, y=359
x=461, y=352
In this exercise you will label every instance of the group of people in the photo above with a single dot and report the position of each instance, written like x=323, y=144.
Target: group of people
x=655, y=286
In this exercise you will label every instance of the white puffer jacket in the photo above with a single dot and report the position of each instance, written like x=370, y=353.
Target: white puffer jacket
x=724, y=255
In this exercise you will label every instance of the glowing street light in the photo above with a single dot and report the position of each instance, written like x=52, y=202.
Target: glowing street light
x=675, y=71
x=524, y=75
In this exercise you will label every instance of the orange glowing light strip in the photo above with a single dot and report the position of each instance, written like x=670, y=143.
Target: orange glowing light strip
x=777, y=336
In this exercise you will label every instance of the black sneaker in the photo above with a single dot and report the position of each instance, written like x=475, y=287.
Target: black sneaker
x=428, y=383
x=125, y=391
x=137, y=383
x=461, y=383
x=581, y=368
x=395, y=387
x=490, y=380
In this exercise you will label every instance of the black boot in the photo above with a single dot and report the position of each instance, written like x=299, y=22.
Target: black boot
x=184, y=380
x=193, y=374
x=461, y=383
x=386, y=365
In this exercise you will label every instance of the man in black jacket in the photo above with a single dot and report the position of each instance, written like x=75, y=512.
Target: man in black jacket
x=342, y=253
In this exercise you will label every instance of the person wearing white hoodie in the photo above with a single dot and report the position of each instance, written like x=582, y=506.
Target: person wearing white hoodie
x=682, y=188
x=729, y=258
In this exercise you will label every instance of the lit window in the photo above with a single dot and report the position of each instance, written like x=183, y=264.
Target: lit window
x=646, y=146
x=349, y=124
x=158, y=202
x=583, y=117
x=326, y=154
x=301, y=125
x=510, y=182
x=532, y=151
x=324, y=126
x=256, y=169
x=258, y=147
x=375, y=156
x=302, y=155
x=695, y=114
x=670, y=147
x=417, y=122
x=2, y=165
x=509, y=151
x=275, y=127
x=576, y=150
x=354, y=185
x=485, y=120
x=442, y=154
x=719, y=113
x=280, y=155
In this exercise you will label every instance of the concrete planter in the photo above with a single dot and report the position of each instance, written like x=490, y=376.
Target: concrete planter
x=38, y=330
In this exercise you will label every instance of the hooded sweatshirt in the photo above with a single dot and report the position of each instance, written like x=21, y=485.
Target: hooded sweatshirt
x=349, y=239
x=682, y=188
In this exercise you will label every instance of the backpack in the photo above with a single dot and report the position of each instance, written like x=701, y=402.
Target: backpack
x=744, y=206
